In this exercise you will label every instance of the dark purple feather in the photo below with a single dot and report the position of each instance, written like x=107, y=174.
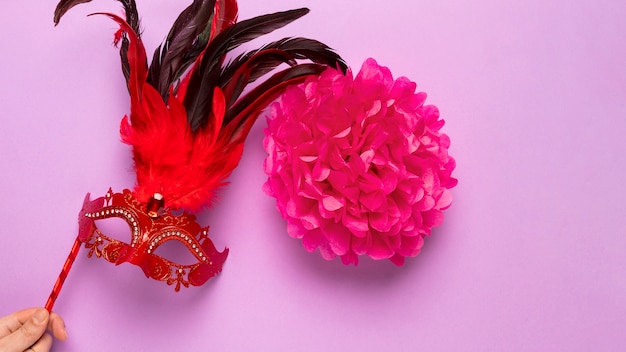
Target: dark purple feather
x=132, y=18
x=257, y=63
x=206, y=75
x=186, y=32
x=130, y=8
x=248, y=108
x=252, y=97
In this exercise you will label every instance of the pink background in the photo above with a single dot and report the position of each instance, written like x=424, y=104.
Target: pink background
x=530, y=257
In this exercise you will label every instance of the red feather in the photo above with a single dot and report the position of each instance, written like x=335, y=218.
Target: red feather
x=226, y=12
x=185, y=168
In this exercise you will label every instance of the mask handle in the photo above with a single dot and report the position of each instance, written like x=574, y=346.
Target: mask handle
x=63, y=275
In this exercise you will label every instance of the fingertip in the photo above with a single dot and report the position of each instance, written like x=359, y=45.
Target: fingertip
x=40, y=316
x=61, y=335
x=57, y=327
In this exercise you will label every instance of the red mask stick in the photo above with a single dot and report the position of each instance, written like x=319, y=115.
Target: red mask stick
x=61, y=279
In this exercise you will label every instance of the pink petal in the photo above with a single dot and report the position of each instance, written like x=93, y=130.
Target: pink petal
x=356, y=164
x=295, y=229
x=336, y=160
x=389, y=180
x=370, y=183
x=320, y=173
x=374, y=109
x=338, y=180
x=411, y=246
x=312, y=240
x=367, y=157
x=350, y=193
x=427, y=203
x=379, y=222
x=430, y=113
x=433, y=218
x=343, y=133
x=403, y=87
x=361, y=245
x=373, y=75
x=331, y=203
x=380, y=248
x=374, y=200
x=397, y=259
x=308, y=159
x=354, y=223
x=444, y=200
x=429, y=180
x=267, y=189
x=338, y=238
x=350, y=258
x=311, y=190
x=310, y=221
x=326, y=252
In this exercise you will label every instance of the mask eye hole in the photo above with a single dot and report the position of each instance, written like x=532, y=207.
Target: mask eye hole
x=176, y=252
x=115, y=228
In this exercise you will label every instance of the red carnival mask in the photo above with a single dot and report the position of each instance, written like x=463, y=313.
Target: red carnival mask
x=150, y=228
x=189, y=117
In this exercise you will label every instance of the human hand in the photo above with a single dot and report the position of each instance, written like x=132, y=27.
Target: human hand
x=25, y=330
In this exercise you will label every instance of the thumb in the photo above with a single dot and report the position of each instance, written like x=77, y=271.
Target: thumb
x=28, y=333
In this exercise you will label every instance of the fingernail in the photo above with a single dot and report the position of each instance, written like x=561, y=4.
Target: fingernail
x=40, y=316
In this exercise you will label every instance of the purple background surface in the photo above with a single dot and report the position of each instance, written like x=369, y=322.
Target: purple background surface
x=530, y=257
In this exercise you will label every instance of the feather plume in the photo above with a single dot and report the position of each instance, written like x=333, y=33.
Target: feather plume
x=249, y=66
x=191, y=32
x=130, y=9
x=132, y=18
x=63, y=6
x=193, y=21
x=207, y=73
x=243, y=114
x=190, y=114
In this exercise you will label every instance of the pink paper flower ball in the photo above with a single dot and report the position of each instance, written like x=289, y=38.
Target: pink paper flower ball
x=358, y=166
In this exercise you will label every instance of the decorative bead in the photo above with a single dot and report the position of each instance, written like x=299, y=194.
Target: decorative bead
x=155, y=205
